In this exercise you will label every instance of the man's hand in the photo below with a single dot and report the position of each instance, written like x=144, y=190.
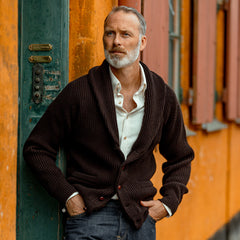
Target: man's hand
x=156, y=209
x=75, y=205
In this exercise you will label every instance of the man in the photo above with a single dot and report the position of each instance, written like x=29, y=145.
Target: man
x=109, y=123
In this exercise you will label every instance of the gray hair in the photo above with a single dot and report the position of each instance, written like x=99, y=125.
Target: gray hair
x=126, y=9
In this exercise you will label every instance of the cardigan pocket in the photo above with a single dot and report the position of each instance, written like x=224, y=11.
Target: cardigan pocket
x=82, y=178
x=143, y=190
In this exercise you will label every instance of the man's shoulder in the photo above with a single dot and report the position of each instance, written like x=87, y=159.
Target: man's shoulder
x=153, y=75
x=161, y=87
x=93, y=72
x=78, y=81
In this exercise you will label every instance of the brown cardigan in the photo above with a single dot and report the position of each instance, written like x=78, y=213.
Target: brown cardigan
x=82, y=120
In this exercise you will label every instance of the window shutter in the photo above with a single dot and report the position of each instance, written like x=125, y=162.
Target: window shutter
x=232, y=64
x=155, y=55
x=204, y=60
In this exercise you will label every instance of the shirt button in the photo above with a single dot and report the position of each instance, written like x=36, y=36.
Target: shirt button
x=119, y=102
x=125, y=138
x=101, y=198
x=119, y=187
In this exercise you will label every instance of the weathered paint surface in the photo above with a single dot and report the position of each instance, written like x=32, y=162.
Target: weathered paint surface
x=233, y=171
x=39, y=22
x=8, y=116
x=86, y=31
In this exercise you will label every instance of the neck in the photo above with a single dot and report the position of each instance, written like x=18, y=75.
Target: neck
x=129, y=76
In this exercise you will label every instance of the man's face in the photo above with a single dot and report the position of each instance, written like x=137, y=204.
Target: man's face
x=122, y=39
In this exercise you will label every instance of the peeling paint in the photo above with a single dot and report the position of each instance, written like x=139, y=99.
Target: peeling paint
x=53, y=72
x=52, y=87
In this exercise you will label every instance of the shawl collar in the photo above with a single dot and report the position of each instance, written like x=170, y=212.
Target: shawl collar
x=153, y=114
x=100, y=81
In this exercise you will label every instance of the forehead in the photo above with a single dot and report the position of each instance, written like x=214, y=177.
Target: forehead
x=123, y=20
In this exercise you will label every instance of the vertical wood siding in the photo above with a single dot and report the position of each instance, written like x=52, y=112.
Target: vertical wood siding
x=204, y=60
x=232, y=64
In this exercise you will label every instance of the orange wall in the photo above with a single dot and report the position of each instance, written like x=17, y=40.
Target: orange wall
x=8, y=116
x=86, y=30
x=233, y=171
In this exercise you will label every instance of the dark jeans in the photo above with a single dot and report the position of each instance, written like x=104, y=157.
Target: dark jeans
x=108, y=224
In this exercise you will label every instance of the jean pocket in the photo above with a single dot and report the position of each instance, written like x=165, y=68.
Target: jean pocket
x=77, y=216
x=151, y=219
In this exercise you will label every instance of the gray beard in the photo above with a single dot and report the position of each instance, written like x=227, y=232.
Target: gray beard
x=130, y=58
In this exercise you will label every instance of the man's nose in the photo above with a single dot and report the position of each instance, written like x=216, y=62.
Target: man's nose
x=117, y=40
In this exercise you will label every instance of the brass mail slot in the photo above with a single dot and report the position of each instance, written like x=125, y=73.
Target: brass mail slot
x=40, y=47
x=40, y=59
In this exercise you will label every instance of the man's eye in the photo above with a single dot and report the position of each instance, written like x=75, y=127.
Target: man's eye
x=126, y=34
x=109, y=33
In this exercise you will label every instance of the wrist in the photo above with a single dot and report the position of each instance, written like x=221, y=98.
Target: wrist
x=73, y=195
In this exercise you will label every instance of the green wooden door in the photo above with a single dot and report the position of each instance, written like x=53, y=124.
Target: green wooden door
x=40, y=22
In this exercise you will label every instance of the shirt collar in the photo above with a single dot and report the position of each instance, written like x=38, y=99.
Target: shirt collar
x=117, y=85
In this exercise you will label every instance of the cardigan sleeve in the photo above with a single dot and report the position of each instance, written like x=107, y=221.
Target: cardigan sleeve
x=41, y=148
x=176, y=150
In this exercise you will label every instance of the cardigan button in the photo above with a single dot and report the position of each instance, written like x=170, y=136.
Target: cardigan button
x=101, y=198
x=119, y=187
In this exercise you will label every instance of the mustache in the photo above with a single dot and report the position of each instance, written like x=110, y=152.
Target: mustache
x=117, y=49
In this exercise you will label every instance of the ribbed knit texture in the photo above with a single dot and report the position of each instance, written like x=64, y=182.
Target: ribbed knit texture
x=82, y=120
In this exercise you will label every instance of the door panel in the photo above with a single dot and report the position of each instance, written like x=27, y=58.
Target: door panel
x=40, y=22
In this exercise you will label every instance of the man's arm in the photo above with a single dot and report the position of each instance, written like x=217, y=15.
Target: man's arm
x=176, y=150
x=42, y=146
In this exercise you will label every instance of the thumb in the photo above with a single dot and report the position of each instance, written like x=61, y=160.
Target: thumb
x=147, y=203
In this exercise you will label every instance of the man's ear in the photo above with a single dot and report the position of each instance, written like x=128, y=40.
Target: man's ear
x=143, y=42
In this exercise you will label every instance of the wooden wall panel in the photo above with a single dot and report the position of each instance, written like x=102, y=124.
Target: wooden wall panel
x=232, y=60
x=204, y=60
x=155, y=55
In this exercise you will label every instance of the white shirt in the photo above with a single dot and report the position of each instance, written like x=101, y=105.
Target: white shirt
x=129, y=123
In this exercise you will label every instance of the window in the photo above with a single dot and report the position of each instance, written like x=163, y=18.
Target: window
x=174, y=47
